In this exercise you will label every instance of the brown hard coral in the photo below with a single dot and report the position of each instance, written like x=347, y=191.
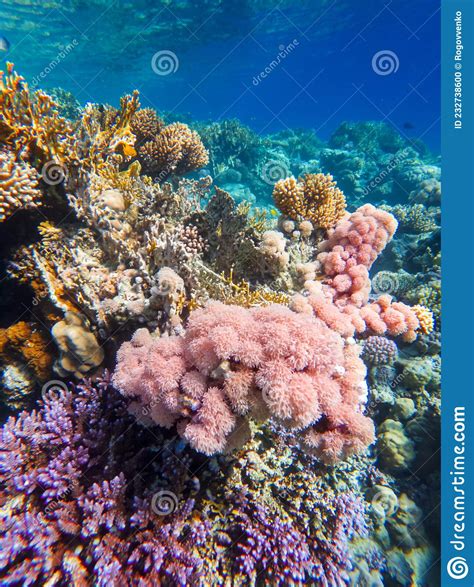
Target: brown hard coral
x=80, y=353
x=18, y=186
x=145, y=125
x=176, y=150
x=314, y=197
x=25, y=343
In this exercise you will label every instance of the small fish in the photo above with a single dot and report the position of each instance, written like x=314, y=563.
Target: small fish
x=4, y=44
x=408, y=125
x=128, y=150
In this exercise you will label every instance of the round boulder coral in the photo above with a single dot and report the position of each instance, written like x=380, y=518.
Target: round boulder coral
x=378, y=350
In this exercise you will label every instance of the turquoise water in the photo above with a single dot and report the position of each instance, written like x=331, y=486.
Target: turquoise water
x=220, y=308
x=220, y=49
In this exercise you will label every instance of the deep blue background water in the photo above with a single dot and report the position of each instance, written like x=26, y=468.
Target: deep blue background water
x=220, y=49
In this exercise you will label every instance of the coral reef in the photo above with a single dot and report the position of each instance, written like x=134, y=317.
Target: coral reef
x=25, y=356
x=351, y=250
x=378, y=350
x=276, y=417
x=86, y=498
x=176, y=149
x=79, y=349
x=30, y=122
x=145, y=124
x=396, y=450
x=18, y=186
x=66, y=512
x=314, y=197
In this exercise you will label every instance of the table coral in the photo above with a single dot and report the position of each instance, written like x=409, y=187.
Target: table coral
x=18, y=186
x=233, y=364
x=315, y=197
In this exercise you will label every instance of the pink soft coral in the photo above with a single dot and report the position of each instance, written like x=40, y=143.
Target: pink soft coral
x=350, y=250
x=342, y=299
x=381, y=316
x=233, y=364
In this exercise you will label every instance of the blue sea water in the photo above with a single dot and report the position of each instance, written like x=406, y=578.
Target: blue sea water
x=219, y=50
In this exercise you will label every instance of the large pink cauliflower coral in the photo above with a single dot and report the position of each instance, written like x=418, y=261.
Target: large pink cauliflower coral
x=234, y=364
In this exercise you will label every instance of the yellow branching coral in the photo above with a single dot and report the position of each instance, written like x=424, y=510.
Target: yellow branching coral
x=257, y=217
x=314, y=197
x=241, y=293
x=427, y=296
x=18, y=186
x=176, y=150
x=109, y=132
x=49, y=233
x=425, y=318
x=129, y=181
x=30, y=122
